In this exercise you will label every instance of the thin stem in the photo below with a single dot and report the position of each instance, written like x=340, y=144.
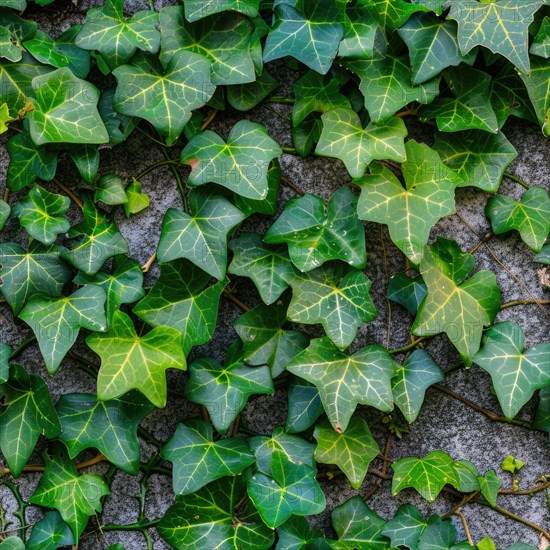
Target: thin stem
x=22, y=347
x=409, y=346
x=410, y=112
x=208, y=120
x=462, y=503
x=483, y=239
x=155, y=166
x=387, y=276
x=465, y=525
x=523, y=302
x=69, y=193
x=147, y=265
x=139, y=526
x=150, y=137
x=149, y=438
x=282, y=100
x=525, y=491
x=292, y=186
x=290, y=150
x=516, y=179
x=40, y=468
x=179, y=181
x=6, y=194
x=230, y=296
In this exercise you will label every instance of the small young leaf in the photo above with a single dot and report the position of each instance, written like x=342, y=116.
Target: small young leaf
x=490, y=484
x=512, y=465
x=136, y=201
x=110, y=190
x=50, y=533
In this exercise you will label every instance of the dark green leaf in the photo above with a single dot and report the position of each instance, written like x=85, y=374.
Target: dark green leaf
x=407, y=291
x=405, y=528
x=50, y=533
x=296, y=534
x=304, y=405
x=197, y=9
x=244, y=97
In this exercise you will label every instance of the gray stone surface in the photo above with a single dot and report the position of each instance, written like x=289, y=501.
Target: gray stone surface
x=444, y=423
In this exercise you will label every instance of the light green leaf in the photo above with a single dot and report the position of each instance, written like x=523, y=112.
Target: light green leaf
x=538, y=89
x=56, y=322
x=136, y=201
x=240, y=164
x=304, y=405
x=75, y=497
x=455, y=305
x=182, y=298
x=65, y=110
x=363, y=37
x=344, y=381
x=27, y=273
x=501, y=26
x=41, y=214
x=4, y=117
x=512, y=465
x=110, y=190
x=13, y=31
x=50, y=533
x=410, y=210
x=27, y=412
x=406, y=527
x=202, y=237
x=428, y=475
x=541, y=43
x=530, y=216
x=198, y=460
x=407, y=291
x=198, y=9
x=316, y=231
x=516, y=373
x=343, y=137
x=12, y=543
x=5, y=211
x=43, y=48
x=146, y=90
x=490, y=483
x=129, y=361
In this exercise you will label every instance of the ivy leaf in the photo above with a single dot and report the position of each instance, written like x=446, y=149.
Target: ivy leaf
x=198, y=460
x=314, y=43
x=439, y=534
x=343, y=137
x=387, y=87
x=116, y=38
x=501, y=26
x=433, y=46
x=428, y=475
x=530, y=216
x=538, y=89
x=223, y=39
x=516, y=373
x=27, y=412
x=118, y=126
x=344, y=381
x=109, y=426
x=110, y=190
x=5, y=353
x=458, y=307
x=182, y=298
x=50, y=533
x=41, y=214
x=268, y=268
x=75, y=497
x=146, y=90
x=407, y=291
x=410, y=382
x=86, y=159
x=25, y=274
x=28, y=162
x=65, y=110
x=409, y=211
x=296, y=534
x=13, y=31
x=406, y=527
x=123, y=285
x=292, y=490
x=490, y=484
x=357, y=526
x=42, y=47
x=544, y=256
x=244, y=97
x=265, y=341
x=224, y=391
x=334, y=295
x=471, y=108
x=77, y=58
x=198, y=9
x=4, y=117
x=541, y=43
x=479, y=158
x=316, y=231
x=56, y=322
x=240, y=164
x=136, y=201
x=214, y=512
x=129, y=361
x=542, y=416
x=5, y=211
x=12, y=543
x=392, y=14
x=363, y=37
x=352, y=451
x=304, y=405
x=202, y=237
x=98, y=240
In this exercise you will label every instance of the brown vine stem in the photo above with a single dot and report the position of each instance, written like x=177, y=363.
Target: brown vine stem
x=523, y=302
x=230, y=296
x=465, y=525
x=409, y=346
x=39, y=468
x=460, y=505
x=290, y=150
x=282, y=100
x=147, y=265
x=531, y=491
x=292, y=186
x=69, y=193
x=406, y=113
x=208, y=120
x=6, y=194
x=483, y=239
x=383, y=473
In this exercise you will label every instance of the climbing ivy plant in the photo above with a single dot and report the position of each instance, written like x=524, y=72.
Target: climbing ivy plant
x=361, y=76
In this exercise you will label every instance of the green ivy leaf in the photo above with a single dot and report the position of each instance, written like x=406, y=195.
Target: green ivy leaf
x=5, y=353
x=5, y=211
x=27, y=273
x=410, y=382
x=116, y=38
x=304, y=405
x=410, y=210
x=202, y=237
x=98, y=240
x=344, y=381
x=541, y=43
x=268, y=268
x=334, y=295
x=78, y=59
x=458, y=307
x=387, y=87
x=214, y=512
x=240, y=164
x=292, y=490
x=433, y=46
x=428, y=475
x=516, y=373
x=224, y=391
x=544, y=256
x=244, y=97
x=296, y=534
x=490, y=484
x=343, y=137
x=363, y=37
x=501, y=26
x=129, y=361
x=41, y=214
x=530, y=216
x=50, y=533
x=56, y=322
x=479, y=158
x=438, y=534
x=109, y=426
x=27, y=412
x=110, y=190
x=198, y=9
x=538, y=89
x=542, y=416
x=42, y=47
x=136, y=201
x=5, y=117
x=146, y=90
x=12, y=543
x=352, y=451
x=86, y=159
x=65, y=110
x=75, y=497
x=13, y=31
x=314, y=43
x=118, y=126
x=316, y=231
x=198, y=460
x=182, y=298
x=406, y=291
x=406, y=527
